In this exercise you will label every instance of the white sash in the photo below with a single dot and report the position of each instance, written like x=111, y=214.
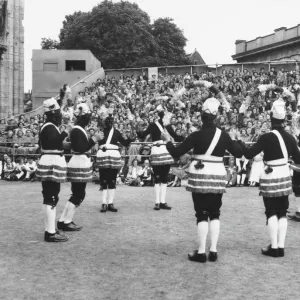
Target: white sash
x=282, y=145
x=80, y=128
x=159, y=127
x=111, y=133
x=214, y=142
x=47, y=124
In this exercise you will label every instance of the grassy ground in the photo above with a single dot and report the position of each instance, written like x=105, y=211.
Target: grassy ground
x=140, y=253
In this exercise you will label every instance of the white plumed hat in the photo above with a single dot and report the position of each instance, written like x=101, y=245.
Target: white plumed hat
x=278, y=109
x=50, y=105
x=211, y=106
x=82, y=109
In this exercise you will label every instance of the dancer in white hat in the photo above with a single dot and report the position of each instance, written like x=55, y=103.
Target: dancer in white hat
x=79, y=171
x=52, y=167
x=207, y=176
x=275, y=182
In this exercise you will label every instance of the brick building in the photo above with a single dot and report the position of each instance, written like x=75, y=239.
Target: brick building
x=196, y=58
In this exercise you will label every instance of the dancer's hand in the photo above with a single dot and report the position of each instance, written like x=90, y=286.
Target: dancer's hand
x=98, y=137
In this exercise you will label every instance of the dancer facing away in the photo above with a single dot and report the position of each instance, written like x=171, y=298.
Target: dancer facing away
x=275, y=182
x=109, y=161
x=79, y=170
x=206, y=175
x=161, y=160
x=51, y=168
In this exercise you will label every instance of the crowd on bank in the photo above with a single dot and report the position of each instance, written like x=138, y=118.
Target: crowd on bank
x=135, y=101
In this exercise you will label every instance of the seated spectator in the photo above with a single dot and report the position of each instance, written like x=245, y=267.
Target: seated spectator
x=231, y=173
x=132, y=176
x=180, y=173
x=145, y=174
x=20, y=173
x=30, y=169
x=122, y=173
x=9, y=170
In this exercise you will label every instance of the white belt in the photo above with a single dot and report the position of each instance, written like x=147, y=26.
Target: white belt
x=208, y=158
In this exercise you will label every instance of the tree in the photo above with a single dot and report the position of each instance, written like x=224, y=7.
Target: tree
x=120, y=35
x=171, y=42
x=49, y=44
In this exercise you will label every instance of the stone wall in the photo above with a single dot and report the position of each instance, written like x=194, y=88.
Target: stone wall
x=12, y=60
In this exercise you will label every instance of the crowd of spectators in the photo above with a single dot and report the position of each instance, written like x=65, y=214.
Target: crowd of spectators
x=135, y=101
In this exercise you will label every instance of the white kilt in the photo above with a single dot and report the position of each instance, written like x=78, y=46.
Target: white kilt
x=211, y=179
x=52, y=168
x=277, y=183
x=160, y=155
x=109, y=159
x=79, y=169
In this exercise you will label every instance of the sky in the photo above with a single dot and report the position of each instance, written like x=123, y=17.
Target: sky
x=212, y=26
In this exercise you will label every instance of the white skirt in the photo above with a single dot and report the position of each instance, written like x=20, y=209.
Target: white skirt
x=109, y=159
x=52, y=168
x=210, y=179
x=257, y=170
x=277, y=183
x=80, y=169
x=160, y=155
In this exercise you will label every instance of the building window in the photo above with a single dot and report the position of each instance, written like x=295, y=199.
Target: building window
x=75, y=65
x=50, y=66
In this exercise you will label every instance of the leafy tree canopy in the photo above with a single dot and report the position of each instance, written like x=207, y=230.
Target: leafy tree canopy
x=121, y=35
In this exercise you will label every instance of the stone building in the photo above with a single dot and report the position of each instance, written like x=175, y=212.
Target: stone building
x=12, y=56
x=283, y=44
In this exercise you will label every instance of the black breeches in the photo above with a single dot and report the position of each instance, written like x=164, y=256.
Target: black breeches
x=108, y=178
x=276, y=206
x=207, y=206
x=50, y=192
x=78, y=193
x=161, y=173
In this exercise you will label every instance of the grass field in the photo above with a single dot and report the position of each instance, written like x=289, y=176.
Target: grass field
x=139, y=253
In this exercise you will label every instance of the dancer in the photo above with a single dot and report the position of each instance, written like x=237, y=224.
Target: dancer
x=161, y=160
x=52, y=167
x=207, y=175
x=79, y=168
x=275, y=182
x=109, y=161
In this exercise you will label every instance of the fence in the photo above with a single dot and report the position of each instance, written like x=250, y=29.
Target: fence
x=217, y=69
x=13, y=152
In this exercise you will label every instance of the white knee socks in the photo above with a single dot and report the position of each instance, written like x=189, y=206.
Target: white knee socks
x=163, y=192
x=64, y=213
x=111, y=195
x=214, y=227
x=243, y=178
x=157, y=193
x=273, y=231
x=202, y=235
x=49, y=216
x=282, y=229
x=71, y=212
x=104, y=197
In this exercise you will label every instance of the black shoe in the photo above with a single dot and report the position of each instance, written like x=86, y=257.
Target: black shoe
x=195, y=256
x=212, y=256
x=60, y=225
x=55, y=237
x=111, y=208
x=269, y=251
x=280, y=252
x=72, y=227
x=103, y=208
x=294, y=217
x=164, y=206
x=156, y=206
